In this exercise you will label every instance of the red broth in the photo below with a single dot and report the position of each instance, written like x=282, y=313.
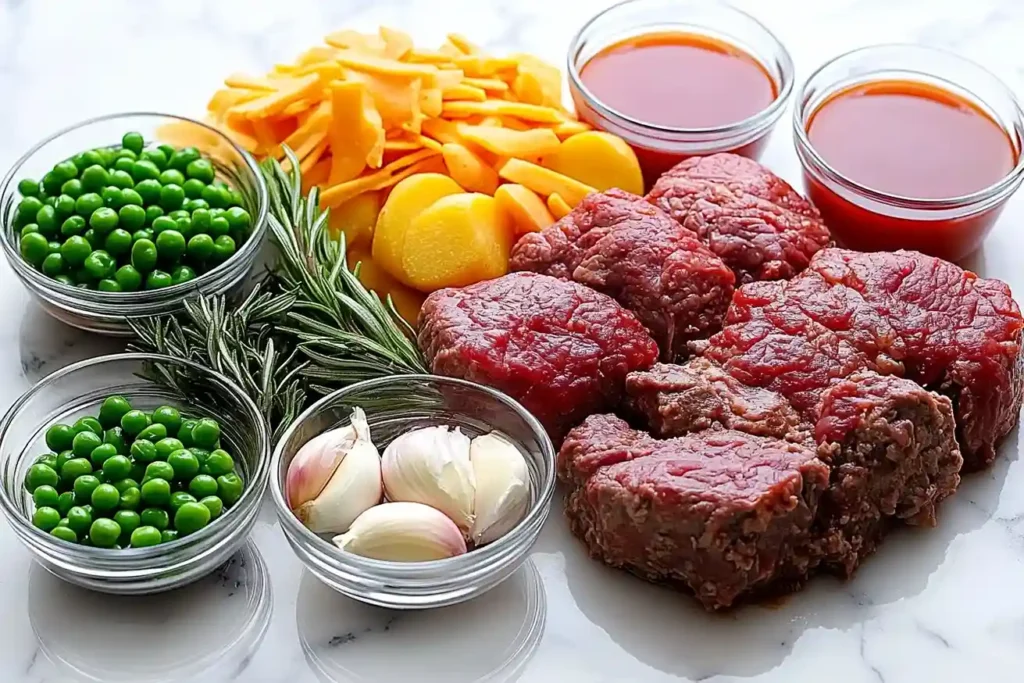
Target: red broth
x=907, y=139
x=679, y=80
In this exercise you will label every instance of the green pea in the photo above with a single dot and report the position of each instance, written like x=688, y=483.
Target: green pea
x=206, y=433
x=59, y=437
x=46, y=518
x=155, y=517
x=94, y=179
x=179, y=498
x=219, y=227
x=45, y=496
x=184, y=226
x=29, y=229
x=65, y=279
x=28, y=187
x=164, y=223
x=111, y=196
x=66, y=170
x=100, y=264
x=156, y=492
x=128, y=520
x=63, y=207
x=73, y=469
x=184, y=464
x=213, y=196
x=133, y=141
x=168, y=150
x=145, y=170
x=62, y=458
x=103, y=220
x=46, y=219
x=194, y=188
x=170, y=245
x=201, y=170
x=200, y=248
x=113, y=409
x=91, y=157
x=131, y=497
x=185, y=431
x=172, y=176
x=73, y=225
x=129, y=278
x=167, y=445
x=144, y=450
x=52, y=183
x=86, y=204
x=48, y=459
x=34, y=248
x=153, y=432
x=65, y=502
x=54, y=246
x=101, y=454
x=169, y=417
x=134, y=421
x=75, y=250
x=229, y=488
x=195, y=204
x=143, y=234
x=144, y=255
x=190, y=518
x=158, y=279
x=117, y=467
x=168, y=536
x=158, y=469
x=27, y=209
x=79, y=519
x=131, y=217
x=84, y=443
x=157, y=156
x=182, y=274
x=149, y=190
x=108, y=285
x=218, y=463
x=72, y=188
x=83, y=487
x=203, y=485
x=123, y=180
x=172, y=197
x=119, y=241
x=145, y=537
x=64, y=533
x=105, y=497
x=214, y=504
x=53, y=265
x=124, y=164
x=104, y=533
x=183, y=157
x=94, y=240
x=131, y=197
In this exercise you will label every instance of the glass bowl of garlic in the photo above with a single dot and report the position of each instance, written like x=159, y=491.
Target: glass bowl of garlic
x=413, y=491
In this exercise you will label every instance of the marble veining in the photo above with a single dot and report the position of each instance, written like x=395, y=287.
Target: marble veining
x=936, y=605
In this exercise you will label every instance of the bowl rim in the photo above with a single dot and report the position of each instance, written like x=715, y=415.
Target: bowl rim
x=416, y=570
x=8, y=186
x=787, y=78
x=802, y=140
x=75, y=552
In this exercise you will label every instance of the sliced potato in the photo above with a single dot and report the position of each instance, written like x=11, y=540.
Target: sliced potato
x=525, y=207
x=598, y=159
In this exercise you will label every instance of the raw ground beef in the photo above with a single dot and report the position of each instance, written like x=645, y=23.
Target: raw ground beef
x=890, y=444
x=619, y=244
x=759, y=225
x=722, y=513
x=561, y=349
x=899, y=313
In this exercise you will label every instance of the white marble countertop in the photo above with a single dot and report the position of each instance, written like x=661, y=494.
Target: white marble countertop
x=945, y=604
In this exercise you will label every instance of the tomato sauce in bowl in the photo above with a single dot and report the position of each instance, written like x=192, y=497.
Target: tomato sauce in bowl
x=906, y=147
x=679, y=78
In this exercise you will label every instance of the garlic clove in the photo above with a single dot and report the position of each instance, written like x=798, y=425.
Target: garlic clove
x=502, y=487
x=353, y=486
x=403, y=532
x=431, y=466
x=312, y=467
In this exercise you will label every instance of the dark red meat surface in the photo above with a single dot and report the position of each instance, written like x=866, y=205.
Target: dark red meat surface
x=722, y=513
x=561, y=349
x=759, y=225
x=618, y=244
x=897, y=313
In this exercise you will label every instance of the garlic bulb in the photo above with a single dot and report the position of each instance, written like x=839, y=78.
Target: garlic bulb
x=335, y=477
x=431, y=466
x=502, y=487
x=403, y=532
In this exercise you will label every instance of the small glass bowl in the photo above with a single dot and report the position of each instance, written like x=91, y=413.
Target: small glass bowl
x=393, y=406
x=108, y=312
x=867, y=219
x=658, y=147
x=77, y=391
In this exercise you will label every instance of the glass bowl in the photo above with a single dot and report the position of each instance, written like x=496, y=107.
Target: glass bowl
x=866, y=219
x=659, y=147
x=108, y=312
x=77, y=391
x=395, y=405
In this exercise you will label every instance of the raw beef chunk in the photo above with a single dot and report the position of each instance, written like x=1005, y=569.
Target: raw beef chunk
x=618, y=244
x=900, y=313
x=759, y=225
x=561, y=349
x=722, y=513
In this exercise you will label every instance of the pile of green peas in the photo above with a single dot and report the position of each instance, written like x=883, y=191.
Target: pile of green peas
x=131, y=478
x=138, y=216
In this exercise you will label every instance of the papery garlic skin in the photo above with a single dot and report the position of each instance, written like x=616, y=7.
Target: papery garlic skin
x=502, y=487
x=403, y=532
x=431, y=466
x=353, y=486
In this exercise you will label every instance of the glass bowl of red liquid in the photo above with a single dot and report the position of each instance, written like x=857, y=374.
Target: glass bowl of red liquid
x=679, y=78
x=909, y=147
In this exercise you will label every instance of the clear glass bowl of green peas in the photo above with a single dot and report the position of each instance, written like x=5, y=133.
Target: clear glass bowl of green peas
x=107, y=220
x=133, y=473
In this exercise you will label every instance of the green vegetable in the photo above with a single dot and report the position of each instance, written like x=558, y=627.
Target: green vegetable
x=45, y=496
x=229, y=488
x=201, y=170
x=84, y=443
x=202, y=485
x=219, y=226
x=100, y=264
x=103, y=220
x=170, y=245
x=153, y=432
x=145, y=170
x=123, y=180
x=182, y=158
x=28, y=187
x=128, y=520
x=59, y=437
x=123, y=485
x=104, y=533
x=157, y=156
x=47, y=518
x=166, y=446
x=158, y=469
x=144, y=451
x=169, y=417
x=171, y=197
x=88, y=424
x=131, y=498
x=119, y=241
x=134, y=421
x=79, y=519
x=75, y=250
x=190, y=518
x=158, y=279
x=53, y=265
x=101, y=454
x=156, y=492
x=35, y=248
x=117, y=467
x=168, y=536
x=206, y=433
x=179, y=498
x=184, y=464
x=214, y=504
x=65, y=170
x=72, y=225
x=182, y=274
x=172, y=176
x=65, y=502
x=200, y=248
x=64, y=533
x=145, y=536
x=133, y=141
x=84, y=487
x=219, y=462
x=144, y=255
x=105, y=497
x=129, y=278
x=155, y=517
